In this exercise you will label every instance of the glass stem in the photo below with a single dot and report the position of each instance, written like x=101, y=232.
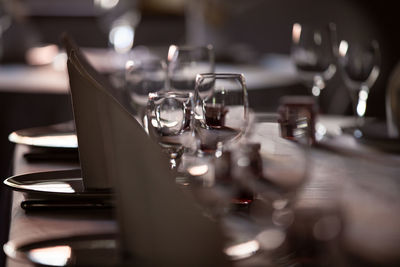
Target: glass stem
x=359, y=99
x=354, y=102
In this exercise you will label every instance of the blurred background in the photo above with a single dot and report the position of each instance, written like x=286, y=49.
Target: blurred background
x=241, y=31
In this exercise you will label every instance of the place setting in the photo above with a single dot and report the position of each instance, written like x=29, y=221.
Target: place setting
x=198, y=173
x=197, y=160
x=122, y=138
x=185, y=160
x=49, y=189
x=68, y=188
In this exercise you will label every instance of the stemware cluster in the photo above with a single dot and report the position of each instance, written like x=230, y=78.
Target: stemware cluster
x=317, y=54
x=183, y=104
x=202, y=120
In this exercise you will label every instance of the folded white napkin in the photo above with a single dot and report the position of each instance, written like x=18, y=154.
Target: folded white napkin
x=159, y=224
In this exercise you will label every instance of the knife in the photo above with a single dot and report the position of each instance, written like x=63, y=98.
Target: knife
x=44, y=204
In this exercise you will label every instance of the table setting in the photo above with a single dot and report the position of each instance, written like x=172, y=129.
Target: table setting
x=194, y=176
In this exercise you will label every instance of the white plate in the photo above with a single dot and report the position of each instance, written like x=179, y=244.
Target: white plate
x=60, y=135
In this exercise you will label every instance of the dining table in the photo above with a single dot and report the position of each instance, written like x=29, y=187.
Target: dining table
x=349, y=206
x=38, y=95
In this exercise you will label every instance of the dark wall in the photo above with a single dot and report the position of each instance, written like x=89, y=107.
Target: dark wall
x=19, y=111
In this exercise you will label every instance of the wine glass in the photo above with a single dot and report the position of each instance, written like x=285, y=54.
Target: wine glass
x=221, y=110
x=185, y=62
x=169, y=115
x=313, y=55
x=143, y=77
x=359, y=65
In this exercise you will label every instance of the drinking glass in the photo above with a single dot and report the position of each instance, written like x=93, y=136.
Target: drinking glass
x=297, y=119
x=313, y=55
x=185, y=62
x=143, y=77
x=221, y=110
x=359, y=65
x=169, y=116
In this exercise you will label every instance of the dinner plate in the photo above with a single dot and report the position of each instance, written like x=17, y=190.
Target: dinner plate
x=80, y=250
x=375, y=134
x=61, y=135
x=54, y=184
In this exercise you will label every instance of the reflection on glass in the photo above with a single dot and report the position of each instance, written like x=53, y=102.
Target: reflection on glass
x=242, y=250
x=51, y=256
x=198, y=170
x=271, y=239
